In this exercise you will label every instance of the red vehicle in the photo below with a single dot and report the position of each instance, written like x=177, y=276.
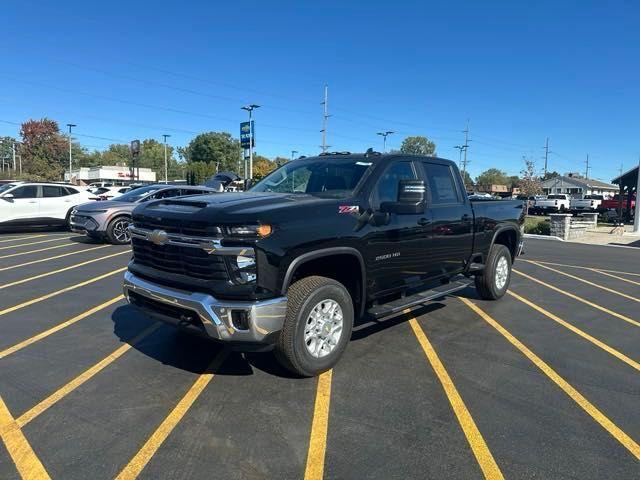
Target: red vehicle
x=614, y=203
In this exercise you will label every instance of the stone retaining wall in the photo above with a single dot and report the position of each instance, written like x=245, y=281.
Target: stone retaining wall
x=567, y=227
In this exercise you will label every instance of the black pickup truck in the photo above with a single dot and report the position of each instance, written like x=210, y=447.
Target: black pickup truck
x=316, y=245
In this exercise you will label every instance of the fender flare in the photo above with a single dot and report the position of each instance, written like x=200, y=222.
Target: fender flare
x=503, y=229
x=326, y=252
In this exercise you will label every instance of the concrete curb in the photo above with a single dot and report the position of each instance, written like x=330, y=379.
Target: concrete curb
x=543, y=237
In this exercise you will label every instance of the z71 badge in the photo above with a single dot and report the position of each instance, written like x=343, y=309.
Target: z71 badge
x=348, y=209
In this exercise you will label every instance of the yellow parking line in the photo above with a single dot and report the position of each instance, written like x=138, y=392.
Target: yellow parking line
x=479, y=447
x=65, y=390
x=33, y=262
x=576, y=396
x=34, y=243
x=36, y=338
x=37, y=250
x=27, y=463
x=577, y=331
x=582, y=267
x=155, y=441
x=60, y=270
x=61, y=291
x=15, y=239
x=606, y=289
x=602, y=272
x=319, y=427
x=579, y=299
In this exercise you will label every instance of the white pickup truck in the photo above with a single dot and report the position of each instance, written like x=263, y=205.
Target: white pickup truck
x=588, y=203
x=559, y=202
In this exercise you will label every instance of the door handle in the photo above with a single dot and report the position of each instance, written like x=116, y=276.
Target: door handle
x=423, y=222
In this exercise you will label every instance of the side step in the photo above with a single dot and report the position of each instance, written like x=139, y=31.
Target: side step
x=401, y=304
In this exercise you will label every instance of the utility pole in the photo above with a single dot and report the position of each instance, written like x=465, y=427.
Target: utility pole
x=384, y=135
x=293, y=154
x=166, y=164
x=586, y=173
x=325, y=119
x=70, y=125
x=465, y=147
x=250, y=109
x=13, y=153
x=546, y=156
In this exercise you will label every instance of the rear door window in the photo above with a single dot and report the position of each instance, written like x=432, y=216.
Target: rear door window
x=49, y=191
x=441, y=184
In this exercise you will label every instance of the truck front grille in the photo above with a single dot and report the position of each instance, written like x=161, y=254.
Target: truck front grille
x=188, y=261
x=190, y=228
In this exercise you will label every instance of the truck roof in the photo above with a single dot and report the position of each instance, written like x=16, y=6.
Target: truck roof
x=374, y=157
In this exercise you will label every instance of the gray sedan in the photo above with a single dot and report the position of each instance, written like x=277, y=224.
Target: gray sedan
x=110, y=219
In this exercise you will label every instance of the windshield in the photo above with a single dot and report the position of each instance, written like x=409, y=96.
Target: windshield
x=556, y=197
x=593, y=197
x=6, y=186
x=137, y=194
x=325, y=177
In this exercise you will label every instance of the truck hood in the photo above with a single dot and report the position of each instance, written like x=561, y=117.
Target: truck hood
x=241, y=207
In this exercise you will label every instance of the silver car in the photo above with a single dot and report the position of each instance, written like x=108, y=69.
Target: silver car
x=110, y=219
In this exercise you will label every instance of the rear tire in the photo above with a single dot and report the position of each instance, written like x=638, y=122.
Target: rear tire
x=494, y=280
x=117, y=230
x=317, y=326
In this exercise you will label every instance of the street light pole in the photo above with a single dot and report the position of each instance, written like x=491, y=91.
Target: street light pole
x=293, y=154
x=166, y=165
x=250, y=109
x=70, y=125
x=384, y=135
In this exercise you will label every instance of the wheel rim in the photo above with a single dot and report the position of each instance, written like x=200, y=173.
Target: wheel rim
x=121, y=231
x=502, y=273
x=323, y=328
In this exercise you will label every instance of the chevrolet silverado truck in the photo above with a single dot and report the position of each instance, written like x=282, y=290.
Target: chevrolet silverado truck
x=316, y=245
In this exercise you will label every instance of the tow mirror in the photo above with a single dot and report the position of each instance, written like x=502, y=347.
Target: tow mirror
x=411, y=194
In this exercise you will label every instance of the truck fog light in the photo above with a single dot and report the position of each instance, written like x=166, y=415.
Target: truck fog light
x=245, y=262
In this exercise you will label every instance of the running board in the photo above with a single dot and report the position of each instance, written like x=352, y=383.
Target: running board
x=401, y=304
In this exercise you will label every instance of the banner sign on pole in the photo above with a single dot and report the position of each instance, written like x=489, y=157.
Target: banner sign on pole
x=246, y=137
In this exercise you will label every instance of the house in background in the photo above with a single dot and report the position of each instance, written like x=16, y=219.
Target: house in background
x=578, y=186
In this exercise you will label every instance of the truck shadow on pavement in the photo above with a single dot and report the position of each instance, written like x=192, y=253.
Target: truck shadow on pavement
x=175, y=348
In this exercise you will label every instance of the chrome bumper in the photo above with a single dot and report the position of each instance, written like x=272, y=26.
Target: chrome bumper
x=215, y=318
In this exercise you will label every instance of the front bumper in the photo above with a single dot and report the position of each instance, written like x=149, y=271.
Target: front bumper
x=229, y=321
x=83, y=223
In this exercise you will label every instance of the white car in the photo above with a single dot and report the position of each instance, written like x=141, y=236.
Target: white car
x=588, y=203
x=559, y=202
x=31, y=204
x=107, y=193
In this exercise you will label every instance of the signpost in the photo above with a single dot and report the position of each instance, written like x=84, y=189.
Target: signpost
x=248, y=142
x=135, y=153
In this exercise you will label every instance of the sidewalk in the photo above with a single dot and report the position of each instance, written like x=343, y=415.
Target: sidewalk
x=601, y=235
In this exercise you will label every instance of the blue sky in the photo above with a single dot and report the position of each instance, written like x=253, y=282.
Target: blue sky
x=519, y=72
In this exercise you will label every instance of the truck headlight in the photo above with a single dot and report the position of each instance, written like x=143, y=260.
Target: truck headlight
x=251, y=231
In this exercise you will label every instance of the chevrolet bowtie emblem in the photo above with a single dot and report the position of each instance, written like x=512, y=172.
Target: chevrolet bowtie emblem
x=158, y=237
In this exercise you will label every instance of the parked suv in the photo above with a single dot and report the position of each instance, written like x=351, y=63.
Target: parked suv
x=322, y=241
x=110, y=219
x=39, y=204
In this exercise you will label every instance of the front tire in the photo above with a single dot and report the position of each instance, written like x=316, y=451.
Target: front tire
x=494, y=280
x=118, y=231
x=317, y=326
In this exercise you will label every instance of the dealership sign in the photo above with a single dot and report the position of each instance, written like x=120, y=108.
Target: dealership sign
x=247, y=135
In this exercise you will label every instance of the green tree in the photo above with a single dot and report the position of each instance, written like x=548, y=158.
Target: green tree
x=549, y=175
x=418, y=145
x=468, y=181
x=6, y=156
x=44, y=149
x=152, y=156
x=493, y=176
x=117, y=155
x=262, y=166
x=279, y=161
x=214, y=147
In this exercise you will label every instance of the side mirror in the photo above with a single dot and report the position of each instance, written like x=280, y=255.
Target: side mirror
x=8, y=196
x=411, y=195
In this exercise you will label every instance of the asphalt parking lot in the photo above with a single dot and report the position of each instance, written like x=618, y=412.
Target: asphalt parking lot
x=542, y=384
